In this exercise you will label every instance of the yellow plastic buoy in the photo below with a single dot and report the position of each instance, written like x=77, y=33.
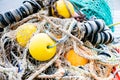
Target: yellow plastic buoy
x=39, y=47
x=63, y=9
x=75, y=59
x=24, y=33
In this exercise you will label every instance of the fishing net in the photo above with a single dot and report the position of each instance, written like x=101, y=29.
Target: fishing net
x=95, y=8
x=98, y=8
x=17, y=63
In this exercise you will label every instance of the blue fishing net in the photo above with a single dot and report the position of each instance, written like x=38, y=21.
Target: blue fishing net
x=97, y=8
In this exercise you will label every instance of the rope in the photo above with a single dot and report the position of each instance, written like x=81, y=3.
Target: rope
x=118, y=23
x=29, y=68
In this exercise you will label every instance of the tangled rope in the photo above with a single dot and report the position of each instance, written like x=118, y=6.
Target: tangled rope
x=17, y=63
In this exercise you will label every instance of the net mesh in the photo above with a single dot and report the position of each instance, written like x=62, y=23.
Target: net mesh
x=17, y=63
x=98, y=8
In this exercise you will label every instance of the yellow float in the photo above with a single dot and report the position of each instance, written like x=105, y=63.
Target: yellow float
x=24, y=33
x=39, y=47
x=64, y=9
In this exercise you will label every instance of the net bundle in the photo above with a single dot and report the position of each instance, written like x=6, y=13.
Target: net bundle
x=17, y=63
x=98, y=8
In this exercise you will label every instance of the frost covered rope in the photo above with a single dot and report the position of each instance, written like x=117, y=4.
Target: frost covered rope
x=28, y=7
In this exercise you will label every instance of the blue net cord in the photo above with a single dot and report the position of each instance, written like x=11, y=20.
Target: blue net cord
x=97, y=8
